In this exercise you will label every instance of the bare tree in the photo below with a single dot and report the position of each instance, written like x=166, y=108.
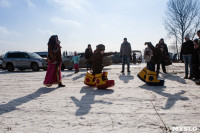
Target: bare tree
x=182, y=17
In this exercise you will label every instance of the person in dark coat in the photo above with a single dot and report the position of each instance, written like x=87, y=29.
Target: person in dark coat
x=164, y=52
x=198, y=34
x=125, y=54
x=155, y=58
x=187, y=50
x=88, y=54
x=97, y=77
x=97, y=59
x=195, y=60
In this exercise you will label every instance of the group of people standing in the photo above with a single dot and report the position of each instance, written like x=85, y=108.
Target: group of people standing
x=154, y=56
x=190, y=53
x=160, y=55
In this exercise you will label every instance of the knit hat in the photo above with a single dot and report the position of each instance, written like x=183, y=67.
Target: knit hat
x=100, y=47
x=187, y=36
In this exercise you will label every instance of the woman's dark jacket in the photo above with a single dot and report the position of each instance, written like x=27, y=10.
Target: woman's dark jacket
x=156, y=58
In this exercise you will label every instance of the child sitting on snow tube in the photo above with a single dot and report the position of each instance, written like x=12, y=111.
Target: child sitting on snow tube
x=97, y=77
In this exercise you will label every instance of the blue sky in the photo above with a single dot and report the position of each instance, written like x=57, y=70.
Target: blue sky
x=27, y=24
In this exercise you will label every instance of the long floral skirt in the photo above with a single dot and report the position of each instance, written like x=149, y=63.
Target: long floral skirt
x=53, y=75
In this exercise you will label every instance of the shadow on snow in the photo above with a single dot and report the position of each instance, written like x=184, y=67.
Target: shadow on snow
x=12, y=105
x=88, y=99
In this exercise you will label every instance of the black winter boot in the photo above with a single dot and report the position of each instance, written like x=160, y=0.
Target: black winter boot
x=61, y=85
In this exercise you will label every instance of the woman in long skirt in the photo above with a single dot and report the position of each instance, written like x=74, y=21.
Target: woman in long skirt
x=53, y=74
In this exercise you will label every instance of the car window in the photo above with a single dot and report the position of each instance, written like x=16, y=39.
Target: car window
x=14, y=55
x=34, y=55
x=24, y=55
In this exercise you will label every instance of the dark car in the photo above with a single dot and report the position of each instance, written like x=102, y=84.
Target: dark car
x=1, y=60
x=116, y=58
x=22, y=61
x=67, y=64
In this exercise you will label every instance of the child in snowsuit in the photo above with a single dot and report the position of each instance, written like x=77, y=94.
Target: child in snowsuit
x=97, y=77
x=76, y=59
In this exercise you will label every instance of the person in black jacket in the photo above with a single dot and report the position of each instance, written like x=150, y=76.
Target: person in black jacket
x=198, y=34
x=187, y=50
x=88, y=54
x=156, y=57
x=164, y=52
x=195, y=60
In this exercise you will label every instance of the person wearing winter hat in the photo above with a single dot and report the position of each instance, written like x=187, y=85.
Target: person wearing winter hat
x=88, y=54
x=97, y=77
x=187, y=50
x=97, y=59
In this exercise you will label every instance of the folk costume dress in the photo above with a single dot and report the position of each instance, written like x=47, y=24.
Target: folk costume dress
x=53, y=74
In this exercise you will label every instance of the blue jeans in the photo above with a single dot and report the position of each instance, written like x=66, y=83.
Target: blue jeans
x=188, y=62
x=126, y=59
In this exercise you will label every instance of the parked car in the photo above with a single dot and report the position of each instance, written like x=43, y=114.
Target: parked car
x=138, y=56
x=66, y=64
x=22, y=61
x=116, y=58
x=1, y=60
x=42, y=54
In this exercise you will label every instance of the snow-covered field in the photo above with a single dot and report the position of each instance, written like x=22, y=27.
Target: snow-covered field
x=26, y=106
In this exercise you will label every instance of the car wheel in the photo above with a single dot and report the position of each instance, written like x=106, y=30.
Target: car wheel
x=10, y=67
x=35, y=67
x=45, y=69
x=70, y=68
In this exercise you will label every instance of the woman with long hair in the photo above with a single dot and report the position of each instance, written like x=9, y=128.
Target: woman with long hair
x=53, y=74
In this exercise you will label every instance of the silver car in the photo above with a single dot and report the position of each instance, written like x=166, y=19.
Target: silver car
x=22, y=61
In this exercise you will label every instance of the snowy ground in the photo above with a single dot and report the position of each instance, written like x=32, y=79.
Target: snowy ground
x=26, y=106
